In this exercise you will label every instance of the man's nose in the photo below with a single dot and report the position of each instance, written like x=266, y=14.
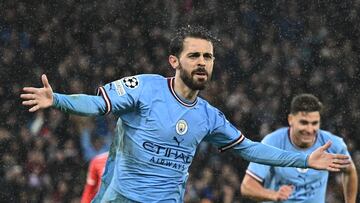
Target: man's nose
x=201, y=61
x=310, y=128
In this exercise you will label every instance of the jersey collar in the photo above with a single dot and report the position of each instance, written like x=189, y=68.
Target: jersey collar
x=183, y=102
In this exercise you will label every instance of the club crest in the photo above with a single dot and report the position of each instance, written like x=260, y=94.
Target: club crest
x=181, y=127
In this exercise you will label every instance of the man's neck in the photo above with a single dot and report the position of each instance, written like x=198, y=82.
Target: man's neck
x=184, y=91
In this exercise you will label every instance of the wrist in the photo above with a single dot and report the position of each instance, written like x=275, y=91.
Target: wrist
x=55, y=100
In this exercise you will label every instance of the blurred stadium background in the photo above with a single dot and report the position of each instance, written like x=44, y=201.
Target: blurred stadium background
x=269, y=52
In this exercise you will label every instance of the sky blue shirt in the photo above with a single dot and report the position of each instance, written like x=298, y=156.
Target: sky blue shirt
x=157, y=135
x=310, y=184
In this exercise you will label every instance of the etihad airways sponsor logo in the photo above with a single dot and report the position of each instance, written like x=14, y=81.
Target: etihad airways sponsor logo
x=171, y=154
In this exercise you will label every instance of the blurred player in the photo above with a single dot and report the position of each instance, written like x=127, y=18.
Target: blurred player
x=163, y=121
x=93, y=179
x=268, y=183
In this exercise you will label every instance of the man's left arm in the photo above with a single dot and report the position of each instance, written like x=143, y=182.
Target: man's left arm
x=350, y=183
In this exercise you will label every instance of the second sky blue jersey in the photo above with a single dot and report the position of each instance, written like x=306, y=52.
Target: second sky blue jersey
x=158, y=133
x=309, y=184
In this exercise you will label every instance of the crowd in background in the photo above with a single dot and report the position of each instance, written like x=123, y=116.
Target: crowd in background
x=269, y=52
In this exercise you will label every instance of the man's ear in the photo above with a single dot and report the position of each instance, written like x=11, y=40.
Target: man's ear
x=174, y=61
x=290, y=119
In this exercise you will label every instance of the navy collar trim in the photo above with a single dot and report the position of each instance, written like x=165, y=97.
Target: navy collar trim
x=171, y=82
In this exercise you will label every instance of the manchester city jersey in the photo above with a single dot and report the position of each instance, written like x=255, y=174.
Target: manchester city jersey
x=309, y=184
x=159, y=136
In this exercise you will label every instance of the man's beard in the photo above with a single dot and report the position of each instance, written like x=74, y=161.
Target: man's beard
x=190, y=81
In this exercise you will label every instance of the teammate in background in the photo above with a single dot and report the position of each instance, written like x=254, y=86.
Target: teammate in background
x=93, y=179
x=269, y=183
x=161, y=123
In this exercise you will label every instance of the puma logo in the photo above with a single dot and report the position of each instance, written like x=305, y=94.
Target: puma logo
x=178, y=141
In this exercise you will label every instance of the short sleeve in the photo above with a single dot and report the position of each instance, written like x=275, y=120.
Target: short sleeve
x=260, y=171
x=338, y=146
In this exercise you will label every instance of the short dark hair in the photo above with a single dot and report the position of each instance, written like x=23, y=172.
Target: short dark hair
x=305, y=103
x=176, y=44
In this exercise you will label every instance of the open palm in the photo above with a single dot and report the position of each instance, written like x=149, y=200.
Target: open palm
x=38, y=98
x=320, y=159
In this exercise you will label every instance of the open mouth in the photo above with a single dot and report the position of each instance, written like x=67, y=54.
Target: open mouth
x=200, y=73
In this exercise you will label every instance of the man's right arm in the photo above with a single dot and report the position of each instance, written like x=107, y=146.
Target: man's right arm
x=80, y=104
x=253, y=189
x=44, y=97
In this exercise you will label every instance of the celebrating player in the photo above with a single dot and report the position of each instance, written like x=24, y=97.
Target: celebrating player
x=270, y=183
x=162, y=121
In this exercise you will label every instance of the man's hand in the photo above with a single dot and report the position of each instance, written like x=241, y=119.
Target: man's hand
x=283, y=193
x=320, y=159
x=38, y=98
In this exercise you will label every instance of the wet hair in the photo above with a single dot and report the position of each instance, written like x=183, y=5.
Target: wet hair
x=177, y=42
x=305, y=103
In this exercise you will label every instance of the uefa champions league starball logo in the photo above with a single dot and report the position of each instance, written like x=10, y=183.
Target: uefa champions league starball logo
x=131, y=82
x=181, y=127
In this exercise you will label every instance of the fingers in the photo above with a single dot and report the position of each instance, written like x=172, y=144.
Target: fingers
x=27, y=96
x=34, y=108
x=339, y=163
x=331, y=169
x=341, y=157
x=342, y=161
x=284, y=192
x=30, y=89
x=326, y=145
x=29, y=103
x=45, y=81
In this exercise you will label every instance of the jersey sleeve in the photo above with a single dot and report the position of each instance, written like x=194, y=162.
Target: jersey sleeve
x=259, y=171
x=122, y=95
x=338, y=146
x=223, y=134
x=226, y=136
x=80, y=104
x=269, y=155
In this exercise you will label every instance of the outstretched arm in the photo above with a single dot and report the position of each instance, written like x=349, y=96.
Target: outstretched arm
x=350, y=183
x=252, y=189
x=44, y=97
x=265, y=154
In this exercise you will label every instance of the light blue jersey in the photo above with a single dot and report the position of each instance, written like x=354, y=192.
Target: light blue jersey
x=158, y=133
x=309, y=184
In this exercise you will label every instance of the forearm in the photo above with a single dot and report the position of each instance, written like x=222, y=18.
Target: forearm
x=350, y=184
x=80, y=104
x=265, y=154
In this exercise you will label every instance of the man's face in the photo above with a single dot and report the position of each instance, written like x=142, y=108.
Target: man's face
x=196, y=63
x=304, y=127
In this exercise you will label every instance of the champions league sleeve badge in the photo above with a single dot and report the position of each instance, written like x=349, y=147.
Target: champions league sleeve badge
x=131, y=82
x=181, y=127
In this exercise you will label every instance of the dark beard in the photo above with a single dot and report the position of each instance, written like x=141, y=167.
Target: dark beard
x=188, y=80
